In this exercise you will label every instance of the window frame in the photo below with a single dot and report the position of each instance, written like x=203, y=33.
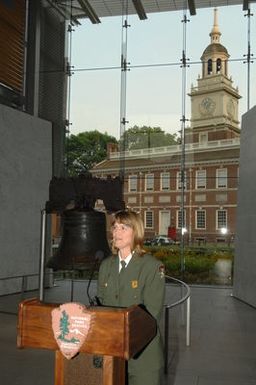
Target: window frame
x=196, y=219
x=147, y=178
x=203, y=137
x=146, y=219
x=162, y=178
x=179, y=219
x=219, y=185
x=133, y=177
x=178, y=181
x=217, y=219
x=198, y=178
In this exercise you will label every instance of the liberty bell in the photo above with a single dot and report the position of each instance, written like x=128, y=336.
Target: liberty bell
x=83, y=240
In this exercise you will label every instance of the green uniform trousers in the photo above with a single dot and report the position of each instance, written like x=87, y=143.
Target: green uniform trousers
x=146, y=378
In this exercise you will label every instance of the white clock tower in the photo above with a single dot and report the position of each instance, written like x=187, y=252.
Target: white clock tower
x=214, y=101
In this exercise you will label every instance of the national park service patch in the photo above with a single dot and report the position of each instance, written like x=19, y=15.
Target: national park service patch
x=71, y=324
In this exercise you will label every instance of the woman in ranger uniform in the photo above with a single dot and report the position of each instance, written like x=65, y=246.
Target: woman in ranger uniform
x=132, y=277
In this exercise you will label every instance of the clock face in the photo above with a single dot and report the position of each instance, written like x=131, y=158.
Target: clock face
x=207, y=106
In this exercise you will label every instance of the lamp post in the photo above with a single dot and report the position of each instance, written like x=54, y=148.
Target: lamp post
x=224, y=232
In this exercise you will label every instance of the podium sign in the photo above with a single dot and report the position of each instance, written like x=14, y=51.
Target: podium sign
x=117, y=334
x=71, y=323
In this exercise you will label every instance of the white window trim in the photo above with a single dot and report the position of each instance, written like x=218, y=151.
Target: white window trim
x=203, y=135
x=129, y=186
x=197, y=179
x=146, y=181
x=161, y=179
x=196, y=227
x=177, y=219
x=178, y=180
x=218, y=178
x=217, y=222
x=145, y=220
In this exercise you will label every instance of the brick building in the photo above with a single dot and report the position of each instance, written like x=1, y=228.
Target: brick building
x=209, y=196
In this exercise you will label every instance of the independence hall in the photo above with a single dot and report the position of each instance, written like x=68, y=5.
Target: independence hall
x=153, y=175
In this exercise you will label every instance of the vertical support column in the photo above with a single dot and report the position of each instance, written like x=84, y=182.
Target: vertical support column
x=69, y=73
x=188, y=323
x=124, y=70
x=248, y=57
x=166, y=339
x=37, y=60
x=183, y=122
x=42, y=255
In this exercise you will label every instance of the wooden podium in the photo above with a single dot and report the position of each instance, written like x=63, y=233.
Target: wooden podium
x=117, y=334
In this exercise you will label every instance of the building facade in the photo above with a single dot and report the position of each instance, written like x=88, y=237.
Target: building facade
x=202, y=204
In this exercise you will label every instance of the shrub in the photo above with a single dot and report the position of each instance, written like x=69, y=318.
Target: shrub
x=199, y=261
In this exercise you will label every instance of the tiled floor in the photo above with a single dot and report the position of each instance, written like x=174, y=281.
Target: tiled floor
x=222, y=350
x=223, y=342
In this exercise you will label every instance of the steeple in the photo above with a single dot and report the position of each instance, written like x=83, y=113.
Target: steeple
x=215, y=56
x=214, y=101
x=215, y=32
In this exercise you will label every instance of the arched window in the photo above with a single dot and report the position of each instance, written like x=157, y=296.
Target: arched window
x=218, y=66
x=209, y=71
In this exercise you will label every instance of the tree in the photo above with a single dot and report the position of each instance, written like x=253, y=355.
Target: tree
x=86, y=149
x=147, y=137
x=64, y=328
x=64, y=324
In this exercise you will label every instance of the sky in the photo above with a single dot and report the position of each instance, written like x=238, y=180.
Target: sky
x=154, y=82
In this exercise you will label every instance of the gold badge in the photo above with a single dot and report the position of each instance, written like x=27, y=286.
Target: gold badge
x=134, y=284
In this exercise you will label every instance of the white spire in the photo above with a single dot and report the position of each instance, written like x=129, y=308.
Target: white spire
x=215, y=32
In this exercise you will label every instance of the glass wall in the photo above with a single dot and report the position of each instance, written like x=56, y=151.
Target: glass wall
x=171, y=89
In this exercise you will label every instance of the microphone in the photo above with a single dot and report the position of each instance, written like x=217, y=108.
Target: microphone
x=99, y=255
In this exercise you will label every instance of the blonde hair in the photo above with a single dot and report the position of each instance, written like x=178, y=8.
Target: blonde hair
x=132, y=219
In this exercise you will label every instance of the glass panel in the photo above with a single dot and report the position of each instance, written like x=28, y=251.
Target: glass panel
x=174, y=86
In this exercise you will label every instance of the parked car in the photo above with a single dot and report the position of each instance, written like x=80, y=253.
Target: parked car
x=148, y=241
x=162, y=240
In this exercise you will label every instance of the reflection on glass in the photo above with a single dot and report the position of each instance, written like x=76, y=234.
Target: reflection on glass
x=185, y=187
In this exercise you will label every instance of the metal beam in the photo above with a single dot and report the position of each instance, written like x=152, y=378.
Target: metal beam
x=192, y=7
x=245, y=5
x=89, y=11
x=64, y=11
x=139, y=9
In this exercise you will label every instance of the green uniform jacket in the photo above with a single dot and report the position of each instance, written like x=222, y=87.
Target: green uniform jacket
x=143, y=282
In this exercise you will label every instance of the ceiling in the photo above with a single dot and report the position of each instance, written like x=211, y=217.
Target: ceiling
x=97, y=9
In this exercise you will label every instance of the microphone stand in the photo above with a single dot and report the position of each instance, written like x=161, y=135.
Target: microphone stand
x=96, y=301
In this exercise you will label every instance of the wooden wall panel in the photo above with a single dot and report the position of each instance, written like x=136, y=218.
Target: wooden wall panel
x=12, y=42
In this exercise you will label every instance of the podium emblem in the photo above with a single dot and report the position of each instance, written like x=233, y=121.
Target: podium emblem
x=71, y=324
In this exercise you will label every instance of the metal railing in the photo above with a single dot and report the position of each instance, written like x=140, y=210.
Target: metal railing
x=23, y=282
x=176, y=148
x=185, y=298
